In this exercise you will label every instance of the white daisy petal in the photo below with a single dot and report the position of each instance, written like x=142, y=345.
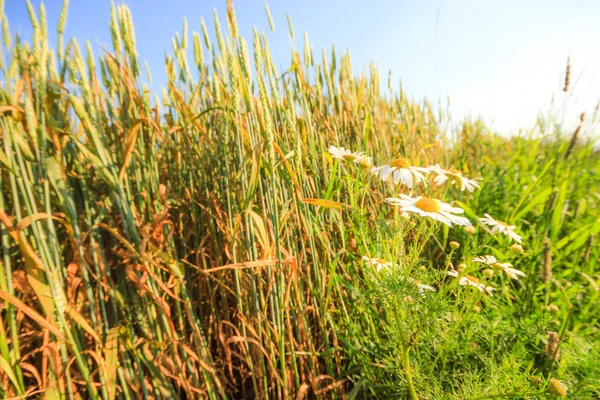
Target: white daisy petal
x=400, y=171
x=505, y=267
x=441, y=218
x=413, y=209
x=502, y=227
x=343, y=154
x=457, y=220
x=378, y=263
x=440, y=179
x=406, y=177
x=454, y=177
x=431, y=208
x=447, y=207
x=385, y=173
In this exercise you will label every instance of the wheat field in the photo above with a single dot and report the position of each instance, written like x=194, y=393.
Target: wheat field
x=253, y=233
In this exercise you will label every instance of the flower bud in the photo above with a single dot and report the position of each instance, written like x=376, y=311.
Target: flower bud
x=454, y=245
x=536, y=381
x=557, y=388
x=470, y=229
x=365, y=162
x=553, y=308
x=461, y=267
x=516, y=249
x=488, y=273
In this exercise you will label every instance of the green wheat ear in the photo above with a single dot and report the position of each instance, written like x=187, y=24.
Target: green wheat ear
x=198, y=51
x=6, y=32
x=218, y=33
x=60, y=28
x=269, y=18
x=290, y=27
x=115, y=30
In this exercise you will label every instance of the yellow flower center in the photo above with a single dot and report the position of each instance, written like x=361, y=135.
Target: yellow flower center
x=454, y=171
x=504, y=224
x=349, y=157
x=381, y=261
x=400, y=163
x=428, y=205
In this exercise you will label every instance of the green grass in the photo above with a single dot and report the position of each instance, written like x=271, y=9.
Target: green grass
x=202, y=243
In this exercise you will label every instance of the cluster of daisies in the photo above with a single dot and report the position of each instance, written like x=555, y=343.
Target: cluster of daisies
x=400, y=171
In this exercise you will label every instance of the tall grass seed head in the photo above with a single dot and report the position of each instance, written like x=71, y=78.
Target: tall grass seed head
x=552, y=342
x=567, y=75
x=546, y=261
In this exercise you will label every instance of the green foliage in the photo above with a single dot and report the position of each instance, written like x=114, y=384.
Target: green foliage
x=205, y=244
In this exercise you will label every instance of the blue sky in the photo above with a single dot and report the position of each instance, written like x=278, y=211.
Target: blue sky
x=502, y=60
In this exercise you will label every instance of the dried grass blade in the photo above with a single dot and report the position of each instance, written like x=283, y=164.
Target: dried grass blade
x=31, y=313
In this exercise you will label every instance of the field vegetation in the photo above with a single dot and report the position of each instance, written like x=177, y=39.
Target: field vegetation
x=254, y=233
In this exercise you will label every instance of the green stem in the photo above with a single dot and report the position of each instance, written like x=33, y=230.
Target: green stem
x=408, y=371
x=405, y=355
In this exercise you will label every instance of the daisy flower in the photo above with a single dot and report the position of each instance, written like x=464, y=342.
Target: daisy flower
x=502, y=227
x=455, y=177
x=469, y=280
x=488, y=260
x=431, y=208
x=343, y=154
x=400, y=170
x=378, y=263
x=506, y=267
x=422, y=288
